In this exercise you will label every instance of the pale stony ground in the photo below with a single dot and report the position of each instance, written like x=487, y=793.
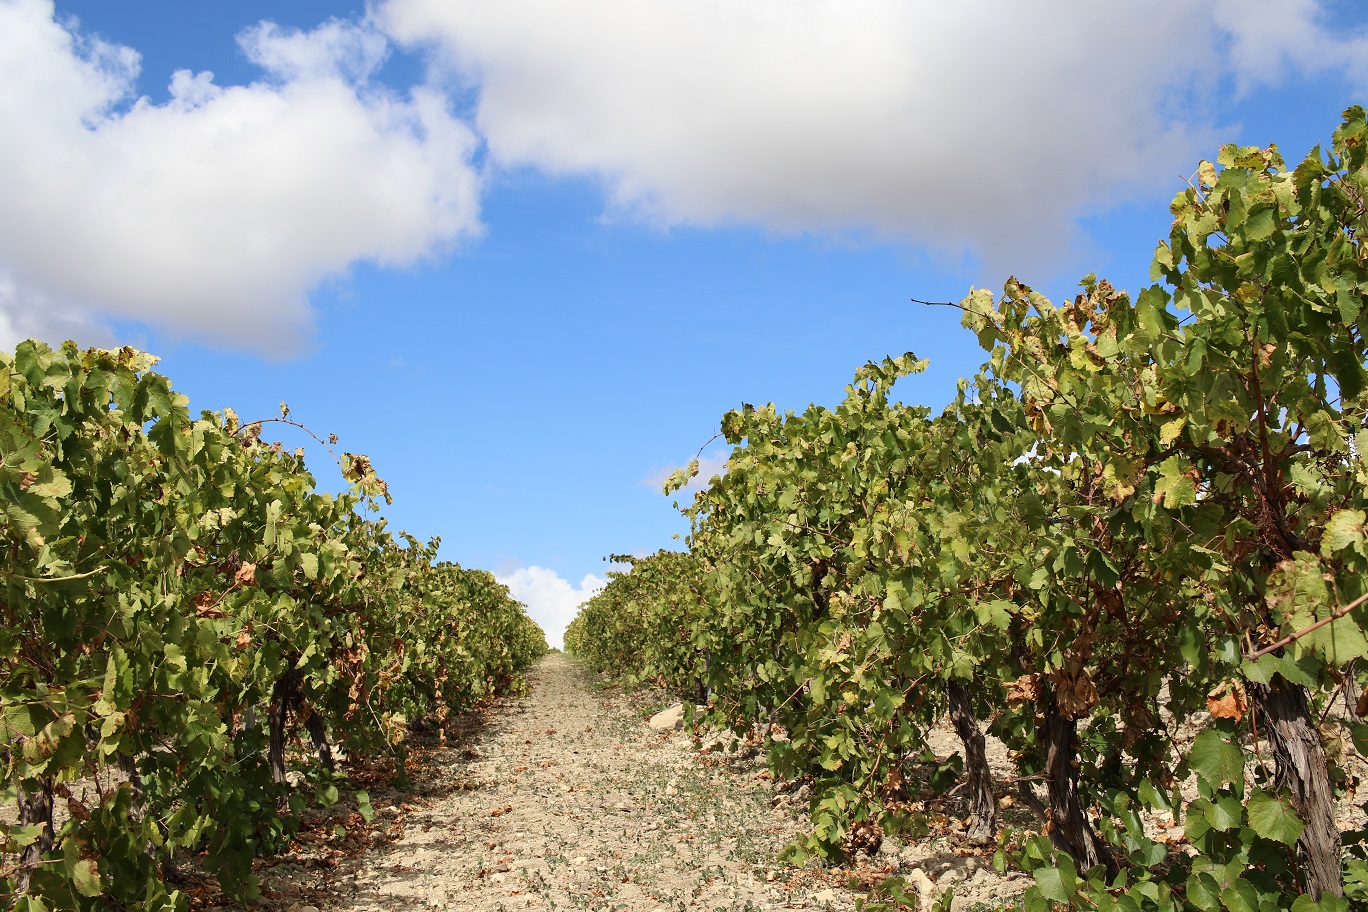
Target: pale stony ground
x=576, y=804
x=567, y=799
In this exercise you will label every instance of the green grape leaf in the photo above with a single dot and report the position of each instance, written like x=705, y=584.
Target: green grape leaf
x=1272, y=818
x=1216, y=759
x=1057, y=883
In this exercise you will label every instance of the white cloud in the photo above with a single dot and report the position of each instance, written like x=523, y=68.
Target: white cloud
x=1269, y=38
x=984, y=127
x=551, y=601
x=215, y=213
x=988, y=126
x=27, y=314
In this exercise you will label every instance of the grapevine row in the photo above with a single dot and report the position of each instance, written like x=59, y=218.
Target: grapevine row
x=1137, y=512
x=179, y=604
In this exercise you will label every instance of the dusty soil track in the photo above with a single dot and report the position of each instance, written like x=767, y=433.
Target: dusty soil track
x=566, y=800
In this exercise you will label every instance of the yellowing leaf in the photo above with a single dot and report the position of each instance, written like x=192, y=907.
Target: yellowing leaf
x=85, y=875
x=1344, y=530
x=1121, y=475
x=1206, y=175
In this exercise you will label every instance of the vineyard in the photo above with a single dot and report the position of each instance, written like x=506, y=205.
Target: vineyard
x=198, y=635
x=1140, y=515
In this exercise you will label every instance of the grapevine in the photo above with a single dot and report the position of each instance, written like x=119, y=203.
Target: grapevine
x=180, y=599
x=1138, y=511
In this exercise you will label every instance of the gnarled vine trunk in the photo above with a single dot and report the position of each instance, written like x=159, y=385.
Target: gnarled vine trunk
x=318, y=733
x=283, y=696
x=1300, y=768
x=35, y=808
x=978, y=777
x=285, y=699
x=1070, y=830
x=704, y=691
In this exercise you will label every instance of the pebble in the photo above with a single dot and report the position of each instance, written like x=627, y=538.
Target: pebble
x=668, y=719
x=825, y=896
x=920, y=882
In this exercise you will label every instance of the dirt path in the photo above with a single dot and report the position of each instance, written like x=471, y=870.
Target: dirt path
x=566, y=800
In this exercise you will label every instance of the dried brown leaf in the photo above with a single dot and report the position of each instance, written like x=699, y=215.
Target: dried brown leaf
x=1228, y=701
x=1025, y=689
x=1076, y=695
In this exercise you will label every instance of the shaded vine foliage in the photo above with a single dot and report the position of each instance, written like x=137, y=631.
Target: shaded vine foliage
x=1138, y=511
x=179, y=603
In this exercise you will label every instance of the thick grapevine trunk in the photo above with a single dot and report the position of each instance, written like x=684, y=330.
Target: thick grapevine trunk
x=282, y=701
x=1070, y=830
x=35, y=808
x=128, y=765
x=704, y=691
x=1032, y=800
x=978, y=778
x=1300, y=768
x=318, y=732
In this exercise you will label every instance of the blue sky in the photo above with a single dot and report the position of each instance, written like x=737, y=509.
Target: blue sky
x=525, y=254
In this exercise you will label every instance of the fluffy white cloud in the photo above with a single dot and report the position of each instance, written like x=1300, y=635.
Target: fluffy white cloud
x=1269, y=38
x=988, y=126
x=215, y=213
x=551, y=601
x=28, y=314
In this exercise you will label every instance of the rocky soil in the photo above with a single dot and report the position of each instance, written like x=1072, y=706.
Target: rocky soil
x=580, y=796
x=569, y=799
